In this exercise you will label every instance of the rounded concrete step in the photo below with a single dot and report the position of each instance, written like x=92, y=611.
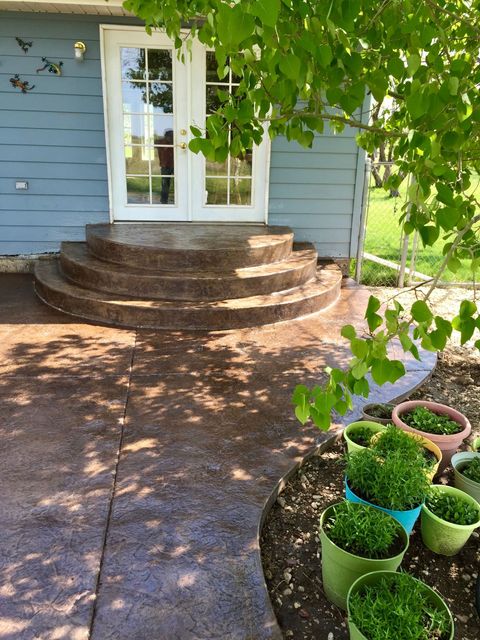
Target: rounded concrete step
x=171, y=247
x=80, y=267
x=311, y=297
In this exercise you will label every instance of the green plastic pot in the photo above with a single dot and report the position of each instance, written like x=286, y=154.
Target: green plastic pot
x=372, y=578
x=459, y=462
x=442, y=537
x=374, y=427
x=340, y=568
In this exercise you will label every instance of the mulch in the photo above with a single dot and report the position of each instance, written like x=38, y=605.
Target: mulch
x=290, y=546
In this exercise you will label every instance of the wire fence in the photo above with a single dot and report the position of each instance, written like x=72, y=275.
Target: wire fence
x=387, y=257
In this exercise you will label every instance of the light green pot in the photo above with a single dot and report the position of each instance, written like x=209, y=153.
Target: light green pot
x=372, y=578
x=459, y=461
x=442, y=537
x=340, y=568
x=353, y=447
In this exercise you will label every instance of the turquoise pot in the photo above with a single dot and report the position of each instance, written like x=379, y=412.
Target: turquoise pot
x=406, y=518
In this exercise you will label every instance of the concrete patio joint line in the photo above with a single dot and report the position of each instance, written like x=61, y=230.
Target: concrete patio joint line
x=114, y=486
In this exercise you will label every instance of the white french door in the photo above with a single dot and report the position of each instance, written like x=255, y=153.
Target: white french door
x=151, y=99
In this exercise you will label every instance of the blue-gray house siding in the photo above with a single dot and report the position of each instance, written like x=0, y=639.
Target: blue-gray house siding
x=54, y=138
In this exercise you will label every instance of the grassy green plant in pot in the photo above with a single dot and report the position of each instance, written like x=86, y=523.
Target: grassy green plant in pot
x=386, y=605
x=357, y=539
x=449, y=517
x=359, y=434
x=466, y=467
x=410, y=445
x=444, y=426
x=395, y=484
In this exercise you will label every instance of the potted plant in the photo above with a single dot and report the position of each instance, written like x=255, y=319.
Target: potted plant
x=443, y=425
x=378, y=412
x=386, y=605
x=358, y=434
x=449, y=516
x=466, y=466
x=396, y=484
x=357, y=539
x=411, y=445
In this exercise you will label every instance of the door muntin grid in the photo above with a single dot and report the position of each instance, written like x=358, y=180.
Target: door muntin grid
x=228, y=183
x=148, y=107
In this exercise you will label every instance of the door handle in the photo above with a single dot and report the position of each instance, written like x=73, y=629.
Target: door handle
x=183, y=145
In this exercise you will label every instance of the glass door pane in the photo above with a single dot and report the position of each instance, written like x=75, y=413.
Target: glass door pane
x=228, y=183
x=148, y=125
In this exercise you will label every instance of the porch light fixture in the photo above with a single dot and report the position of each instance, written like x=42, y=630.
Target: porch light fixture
x=79, y=49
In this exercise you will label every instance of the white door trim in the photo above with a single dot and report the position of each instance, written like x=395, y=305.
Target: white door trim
x=191, y=207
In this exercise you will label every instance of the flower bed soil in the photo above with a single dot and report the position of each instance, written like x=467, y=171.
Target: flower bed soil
x=290, y=547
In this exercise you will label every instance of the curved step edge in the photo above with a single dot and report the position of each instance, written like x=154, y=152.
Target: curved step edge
x=89, y=272
x=310, y=298
x=164, y=259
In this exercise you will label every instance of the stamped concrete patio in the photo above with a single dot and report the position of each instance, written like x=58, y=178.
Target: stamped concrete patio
x=136, y=466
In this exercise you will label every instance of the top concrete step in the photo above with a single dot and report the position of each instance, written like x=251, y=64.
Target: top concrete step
x=189, y=246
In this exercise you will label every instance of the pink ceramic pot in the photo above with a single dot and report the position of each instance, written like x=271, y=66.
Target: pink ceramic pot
x=447, y=444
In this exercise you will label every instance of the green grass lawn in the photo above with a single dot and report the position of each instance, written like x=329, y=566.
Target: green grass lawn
x=383, y=240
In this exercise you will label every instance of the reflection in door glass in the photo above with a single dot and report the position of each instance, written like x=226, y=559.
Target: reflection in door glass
x=216, y=191
x=147, y=94
x=163, y=161
x=133, y=63
x=163, y=190
x=138, y=190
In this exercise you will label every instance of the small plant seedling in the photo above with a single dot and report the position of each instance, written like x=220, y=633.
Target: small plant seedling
x=472, y=470
x=361, y=435
x=452, y=509
x=395, y=482
x=363, y=531
x=425, y=420
x=398, y=607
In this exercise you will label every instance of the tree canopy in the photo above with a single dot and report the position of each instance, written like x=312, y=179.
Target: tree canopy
x=305, y=63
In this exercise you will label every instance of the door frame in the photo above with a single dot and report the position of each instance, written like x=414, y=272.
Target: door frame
x=194, y=162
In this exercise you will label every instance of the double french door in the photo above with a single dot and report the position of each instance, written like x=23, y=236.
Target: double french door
x=152, y=98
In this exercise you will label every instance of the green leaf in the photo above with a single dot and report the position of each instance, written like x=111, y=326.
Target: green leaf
x=290, y=65
x=421, y=312
x=466, y=326
x=324, y=55
x=266, y=10
x=444, y=193
x=387, y=371
x=359, y=347
x=361, y=387
x=429, y=235
x=453, y=83
x=413, y=63
x=233, y=25
x=341, y=407
x=299, y=393
x=405, y=341
x=348, y=331
x=373, y=319
x=395, y=67
x=302, y=413
x=320, y=419
x=438, y=339
x=467, y=309
x=359, y=370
